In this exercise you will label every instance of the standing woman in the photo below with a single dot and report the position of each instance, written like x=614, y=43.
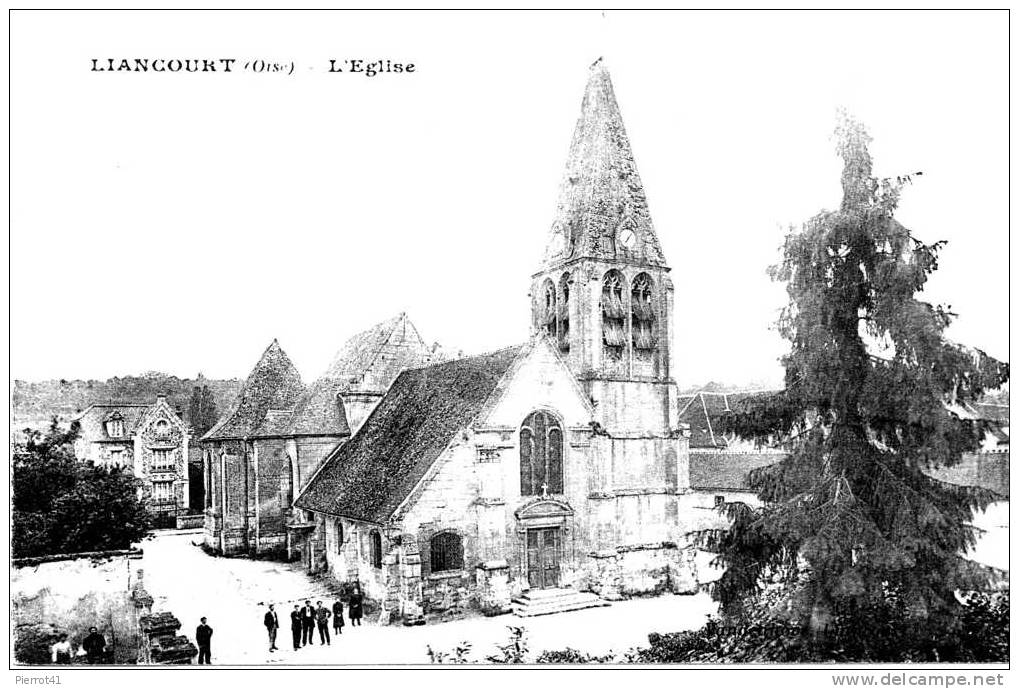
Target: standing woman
x=355, y=606
x=338, y=617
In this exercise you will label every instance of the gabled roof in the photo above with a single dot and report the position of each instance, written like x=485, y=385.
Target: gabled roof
x=274, y=384
x=93, y=419
x=704, y=410
x=601, y=192
x=727, y=470
x=368, y=477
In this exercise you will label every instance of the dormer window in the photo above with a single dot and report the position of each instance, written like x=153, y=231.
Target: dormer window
x=115, y=426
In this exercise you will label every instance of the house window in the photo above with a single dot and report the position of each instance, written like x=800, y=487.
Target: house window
x=719, y=500
x=117, y=457
x=162, y=490
x=447, y=552
x=338, y=533
x=162, y=428
x=613, y=310
x=541, y=455
x=115, y=426
x=642, y=314
x=375, y=546
x=162, y=460
x=549, y=311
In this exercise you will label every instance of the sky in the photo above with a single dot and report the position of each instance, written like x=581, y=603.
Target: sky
x=180, y=222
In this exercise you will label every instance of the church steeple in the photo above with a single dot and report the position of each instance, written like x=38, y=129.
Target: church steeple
x=602, y=210
x=603, y=292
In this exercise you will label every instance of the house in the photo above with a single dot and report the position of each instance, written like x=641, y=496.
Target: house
x=266, y=448
x=558, y=467
x=149, y=439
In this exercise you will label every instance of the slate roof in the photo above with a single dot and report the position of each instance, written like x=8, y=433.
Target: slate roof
x=704, y=410
x=93, y=419
x=727, y=470
x=369, y=476
x=363, y=350
x=368, y=362
x=320, y=411
x=274, y=384
x=601, y=190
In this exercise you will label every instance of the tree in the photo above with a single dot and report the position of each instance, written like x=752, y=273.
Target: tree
x=851, y=518
x=62, y=505
x=202, y=412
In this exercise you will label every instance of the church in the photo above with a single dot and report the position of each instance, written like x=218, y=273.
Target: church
x=547, y=476
x=264, y=450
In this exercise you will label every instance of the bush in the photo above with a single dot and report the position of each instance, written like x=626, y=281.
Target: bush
x=887, y=633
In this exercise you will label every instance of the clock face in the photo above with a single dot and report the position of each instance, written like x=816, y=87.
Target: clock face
x=627, y=239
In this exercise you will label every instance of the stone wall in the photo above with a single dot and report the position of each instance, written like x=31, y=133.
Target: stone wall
x=72, y=594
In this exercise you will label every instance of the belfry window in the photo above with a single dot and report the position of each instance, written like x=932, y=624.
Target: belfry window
x=613, y=310
x=642, y=312
x=564, y=313
x=549, y=311
x=541, y=455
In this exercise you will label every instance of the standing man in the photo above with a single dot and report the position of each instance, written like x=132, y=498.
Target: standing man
x=203, y=637
x=322, y=616
x=94, y=645
x=308, y=624
x=355, y=606
x=272, y=625
x=295, y=626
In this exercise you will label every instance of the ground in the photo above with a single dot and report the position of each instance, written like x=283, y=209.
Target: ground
x=233, y=592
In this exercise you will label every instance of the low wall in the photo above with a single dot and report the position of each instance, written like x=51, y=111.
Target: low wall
x=70, y=593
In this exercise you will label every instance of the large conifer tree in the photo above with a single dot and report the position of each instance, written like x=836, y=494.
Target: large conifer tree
x=851, y=517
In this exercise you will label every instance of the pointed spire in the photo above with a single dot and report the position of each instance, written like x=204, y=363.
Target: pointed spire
x=601, y=194
x=274, y=383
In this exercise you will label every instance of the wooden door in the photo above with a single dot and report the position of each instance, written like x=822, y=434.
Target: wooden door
x=544, y=548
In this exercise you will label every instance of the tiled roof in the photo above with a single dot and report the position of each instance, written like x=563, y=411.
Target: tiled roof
x=369, y=476
x=704, y=411
x=93, y=420
x=274, y=384
x=727, y=470
x=601, y=191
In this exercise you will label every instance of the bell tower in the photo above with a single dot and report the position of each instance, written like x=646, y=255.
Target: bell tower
x=603, y=292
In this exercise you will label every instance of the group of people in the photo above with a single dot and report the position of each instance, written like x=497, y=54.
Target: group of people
x=93, y=647
x=303, y=622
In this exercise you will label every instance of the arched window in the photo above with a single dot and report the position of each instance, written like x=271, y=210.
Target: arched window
x=339, y=535
x=115, y=425
x=642, y=310
x=613, y=310
x=447, y=552
x=549, y=311
x=375, y=549
x=162, y=428
x=541, y=455
x=564, y=313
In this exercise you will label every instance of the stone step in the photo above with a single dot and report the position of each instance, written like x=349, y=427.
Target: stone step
x=551, y=601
